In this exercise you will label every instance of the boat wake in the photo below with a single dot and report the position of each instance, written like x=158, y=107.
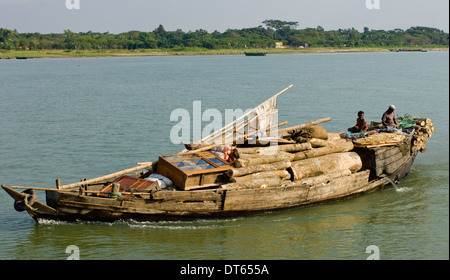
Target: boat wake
x=397, y=188
x=183, y=225
x=403, y=189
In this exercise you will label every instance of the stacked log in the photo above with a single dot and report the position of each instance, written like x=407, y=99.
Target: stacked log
x=312, y=167
x=312, y=162
x=317, y=160
x=321, y=179
x=259, y=176
x=336, y=146
x=241, y=152
x=282, y=174
x=236, y=172
x=422, y=131
x=317, y=143
x=263, y=159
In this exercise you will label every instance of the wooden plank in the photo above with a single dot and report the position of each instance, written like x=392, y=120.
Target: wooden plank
x=268, y=198
x=388, y=160
x=393, y=166
x=379, y=151
x=255, y=183
x=187, y=196
x=339, y=187
x=75, y=197
x=177, y=206
x=136, y=206
x=82, y=208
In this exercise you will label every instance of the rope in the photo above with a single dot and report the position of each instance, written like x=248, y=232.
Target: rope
x=115, y=195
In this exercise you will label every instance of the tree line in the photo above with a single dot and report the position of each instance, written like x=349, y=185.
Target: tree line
x=255, y=37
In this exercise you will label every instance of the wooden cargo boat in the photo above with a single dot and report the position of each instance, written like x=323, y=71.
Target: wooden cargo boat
x=204, y=183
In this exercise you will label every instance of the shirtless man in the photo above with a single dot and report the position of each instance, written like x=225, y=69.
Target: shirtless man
x=389, y=118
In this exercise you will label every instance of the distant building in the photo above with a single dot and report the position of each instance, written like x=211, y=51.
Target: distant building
x=279, y=45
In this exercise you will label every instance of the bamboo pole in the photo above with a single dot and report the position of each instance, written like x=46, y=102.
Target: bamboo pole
x=206, y=148
x=106, y=177
x=123, y=193
x=33, y=188
x=56, y=190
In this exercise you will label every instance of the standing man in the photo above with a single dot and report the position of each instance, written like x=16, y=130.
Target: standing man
x=389, y=118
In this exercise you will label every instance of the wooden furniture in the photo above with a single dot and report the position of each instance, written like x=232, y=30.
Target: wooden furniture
x=193, y=171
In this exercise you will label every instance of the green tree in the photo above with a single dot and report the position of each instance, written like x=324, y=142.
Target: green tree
x=279, y=24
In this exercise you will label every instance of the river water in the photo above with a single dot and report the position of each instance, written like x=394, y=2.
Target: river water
x=87, y=117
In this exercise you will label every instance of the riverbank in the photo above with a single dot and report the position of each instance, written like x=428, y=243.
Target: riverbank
x=186, y=51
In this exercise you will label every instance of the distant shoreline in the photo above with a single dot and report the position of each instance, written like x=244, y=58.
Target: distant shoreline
x=175, y=52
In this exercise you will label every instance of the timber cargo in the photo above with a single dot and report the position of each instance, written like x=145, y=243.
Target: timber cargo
x=249, y=166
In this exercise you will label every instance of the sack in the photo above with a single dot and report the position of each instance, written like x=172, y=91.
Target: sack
x=304, y=134
x=162, y=181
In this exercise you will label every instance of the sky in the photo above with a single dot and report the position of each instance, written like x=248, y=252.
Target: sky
x=116, y=16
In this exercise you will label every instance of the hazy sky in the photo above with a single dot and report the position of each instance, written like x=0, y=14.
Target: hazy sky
x=115, y=16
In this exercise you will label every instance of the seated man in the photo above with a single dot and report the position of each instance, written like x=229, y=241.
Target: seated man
x=388, y=118
x=361, y=124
